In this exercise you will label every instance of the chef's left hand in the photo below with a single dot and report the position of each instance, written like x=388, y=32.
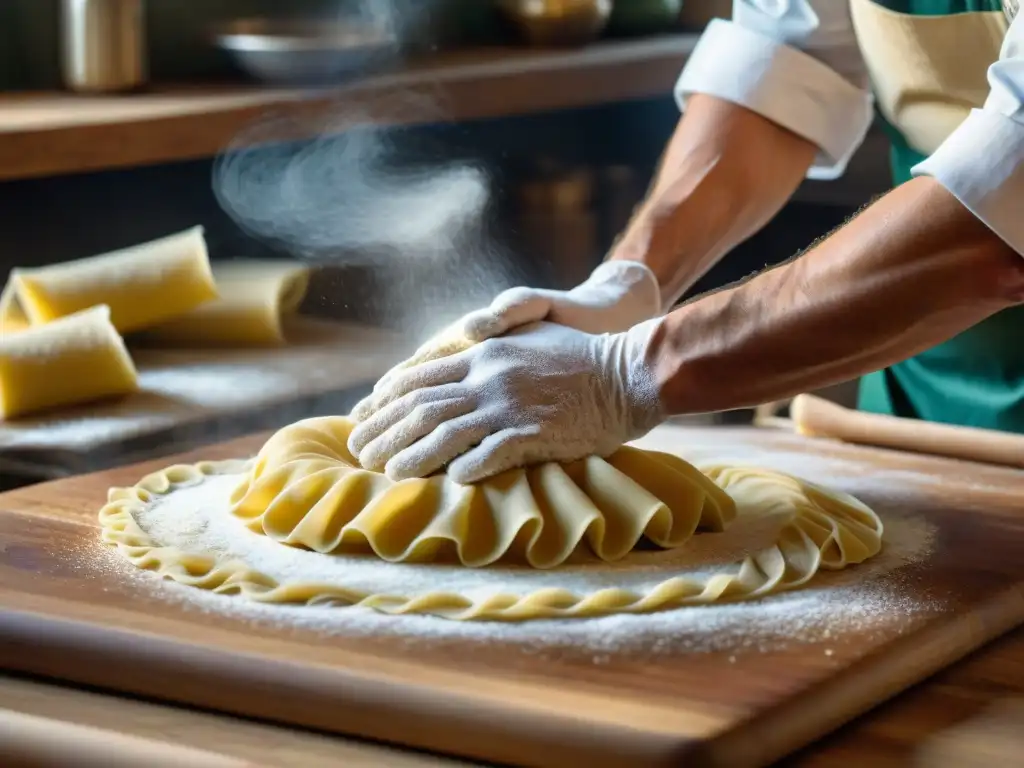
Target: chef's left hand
x=544, y=393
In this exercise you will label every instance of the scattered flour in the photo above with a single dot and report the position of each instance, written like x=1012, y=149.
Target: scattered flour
x=875, y=597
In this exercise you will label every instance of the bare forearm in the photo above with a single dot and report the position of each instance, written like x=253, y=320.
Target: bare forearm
x=725, y=173
x=913, y=270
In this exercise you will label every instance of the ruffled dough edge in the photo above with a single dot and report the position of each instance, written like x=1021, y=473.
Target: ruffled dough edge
x=305, y=489
x=829, y=530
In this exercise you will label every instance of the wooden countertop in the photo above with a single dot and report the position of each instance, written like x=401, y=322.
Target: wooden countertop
x=940, y=715
x=923, y=724
x=44, y=134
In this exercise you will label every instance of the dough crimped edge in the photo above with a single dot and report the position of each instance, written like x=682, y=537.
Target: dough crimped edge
x=826, y=530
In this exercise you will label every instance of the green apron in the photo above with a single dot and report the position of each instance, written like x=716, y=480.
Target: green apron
x=976, y=378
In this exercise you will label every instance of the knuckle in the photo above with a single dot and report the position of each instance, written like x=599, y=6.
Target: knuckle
x=448, y=429
x=445, y=432
x=513, y=296
x=414, y=400
x=421, y=412
x=402, y=383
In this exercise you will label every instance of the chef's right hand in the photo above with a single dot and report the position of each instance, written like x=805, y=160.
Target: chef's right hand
x=617, y=295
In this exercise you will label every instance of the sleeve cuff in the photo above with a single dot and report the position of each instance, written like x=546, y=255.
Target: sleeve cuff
x=980, y=164
x=783, y=84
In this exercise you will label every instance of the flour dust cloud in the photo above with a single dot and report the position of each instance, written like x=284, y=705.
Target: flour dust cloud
x=373, y=187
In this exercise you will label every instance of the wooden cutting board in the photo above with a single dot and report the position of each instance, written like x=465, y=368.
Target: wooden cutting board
x=67, y=612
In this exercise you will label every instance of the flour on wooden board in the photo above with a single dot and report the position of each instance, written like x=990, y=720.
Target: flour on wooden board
x=872, y=597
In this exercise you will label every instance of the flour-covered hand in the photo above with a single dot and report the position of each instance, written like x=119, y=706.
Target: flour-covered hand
x=543, y=393
x=617, y=295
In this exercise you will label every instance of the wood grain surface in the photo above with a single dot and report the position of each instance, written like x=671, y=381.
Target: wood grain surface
x=30, y=740
x=939, y=715
x=69, y=615
x=166, y=729
x=941, y=712
x=48, y=134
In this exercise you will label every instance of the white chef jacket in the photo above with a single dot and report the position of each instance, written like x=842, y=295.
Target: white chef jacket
x=798, y=63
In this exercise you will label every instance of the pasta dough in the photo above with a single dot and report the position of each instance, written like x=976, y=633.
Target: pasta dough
x=12, y=316
x=76, y=359
x=254, y=297
x=296, y=493
x=306, y=489
x=142, y=285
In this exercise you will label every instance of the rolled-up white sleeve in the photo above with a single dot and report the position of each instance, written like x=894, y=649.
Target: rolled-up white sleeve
x=796, y=63
x=982, y=161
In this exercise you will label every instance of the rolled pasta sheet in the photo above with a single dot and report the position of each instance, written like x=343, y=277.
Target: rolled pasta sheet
x=143, y=285
x=12, y=316
x=76, y=359
x=255, y=297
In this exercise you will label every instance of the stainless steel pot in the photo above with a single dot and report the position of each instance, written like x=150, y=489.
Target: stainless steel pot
x=103, y=45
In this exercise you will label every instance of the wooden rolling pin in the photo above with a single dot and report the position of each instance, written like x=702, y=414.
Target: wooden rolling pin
x=27, y=741
x=816, y=417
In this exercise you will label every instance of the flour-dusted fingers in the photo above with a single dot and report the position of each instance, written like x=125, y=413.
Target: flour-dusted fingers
x=368, y=405
x=421, y=421
x=431, y=453
x=379, y=422
x=436, y=373
x=501, y=451
x=546, y=392
x=511, y=309
x=371, y=403
x=362, y=410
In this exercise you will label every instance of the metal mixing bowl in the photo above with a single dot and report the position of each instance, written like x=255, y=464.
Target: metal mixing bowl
x=557, y=22
x=300, y=52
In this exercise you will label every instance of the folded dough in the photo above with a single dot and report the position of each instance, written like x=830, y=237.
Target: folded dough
x=255, y=296
x=306, y=489
x=142, y=285
x=72, y=360
x=823, y=530
x=12, y=316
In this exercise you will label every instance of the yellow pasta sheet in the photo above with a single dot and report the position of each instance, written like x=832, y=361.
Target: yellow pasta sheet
x=306, y=489
x=76, y=359
x=142, y=285
x=303, y=492
x=12, y=316
x=255, y=297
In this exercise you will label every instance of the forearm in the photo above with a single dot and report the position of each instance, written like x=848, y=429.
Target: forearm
x=913, y=270
x=725, y=173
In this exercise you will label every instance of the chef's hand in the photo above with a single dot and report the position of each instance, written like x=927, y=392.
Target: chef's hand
x=617, y=295
x=543, y=393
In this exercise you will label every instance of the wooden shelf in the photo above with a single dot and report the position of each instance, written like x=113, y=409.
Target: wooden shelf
x=44, y=134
